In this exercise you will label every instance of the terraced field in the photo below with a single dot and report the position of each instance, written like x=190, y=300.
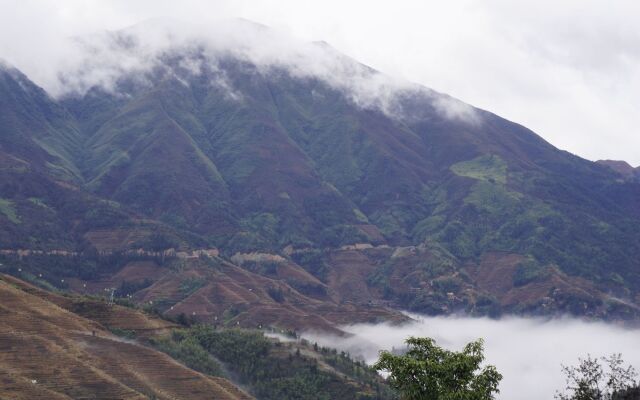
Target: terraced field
x=50, y=352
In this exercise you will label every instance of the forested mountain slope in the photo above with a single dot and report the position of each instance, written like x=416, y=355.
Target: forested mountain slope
x=204, y=146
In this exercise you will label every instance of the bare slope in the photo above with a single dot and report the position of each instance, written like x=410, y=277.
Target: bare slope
x=49, y=352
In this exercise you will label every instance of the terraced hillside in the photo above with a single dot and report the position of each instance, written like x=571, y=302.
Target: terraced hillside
x=55, y=346
x=210, y=291
x=49, y=352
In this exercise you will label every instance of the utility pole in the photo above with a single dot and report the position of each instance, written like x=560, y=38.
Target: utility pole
x=111, y=296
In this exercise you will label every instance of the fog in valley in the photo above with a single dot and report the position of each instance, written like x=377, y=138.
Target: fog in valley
x=527, y=351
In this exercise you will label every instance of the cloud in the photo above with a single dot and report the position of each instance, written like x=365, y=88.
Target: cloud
x=528, y=352
x=569, y=70
x=102, y=60
x=455, y=109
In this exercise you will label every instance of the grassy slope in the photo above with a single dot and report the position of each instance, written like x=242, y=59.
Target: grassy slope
x=36, y=128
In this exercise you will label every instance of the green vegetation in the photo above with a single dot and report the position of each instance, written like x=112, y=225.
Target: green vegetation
x=190, y=285
x=9, y=210
x=186, y=349
x=607, y=378
x=39, y=202
x=273, y=369
x=487, y=168
x=298, y=163
x=492, y=198
x=529, y=271
x=429, y=372
x=89, y=266
x=313, y=261
x=123, y=333
x=129, y=288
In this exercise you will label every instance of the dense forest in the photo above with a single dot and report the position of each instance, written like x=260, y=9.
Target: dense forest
x=274, y=369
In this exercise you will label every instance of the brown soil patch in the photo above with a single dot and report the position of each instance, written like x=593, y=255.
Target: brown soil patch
x=348, y=277
x=115, y=239
x=234, y=296
x=495, y=272
x=47, y=352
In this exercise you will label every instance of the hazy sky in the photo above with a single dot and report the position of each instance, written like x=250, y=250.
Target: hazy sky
x=569, y=70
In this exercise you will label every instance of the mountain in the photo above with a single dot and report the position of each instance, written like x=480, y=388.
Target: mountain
x=50, y=352
x=623, y=168
x=316, y=172
x=62, y=347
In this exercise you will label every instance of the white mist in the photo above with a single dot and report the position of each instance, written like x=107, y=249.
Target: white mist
x=527, y=351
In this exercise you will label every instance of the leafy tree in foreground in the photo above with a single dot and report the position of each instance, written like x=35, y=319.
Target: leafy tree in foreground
x=429, y=372
x=590, y=381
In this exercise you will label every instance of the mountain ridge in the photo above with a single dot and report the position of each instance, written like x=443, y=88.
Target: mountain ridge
x=217, y=147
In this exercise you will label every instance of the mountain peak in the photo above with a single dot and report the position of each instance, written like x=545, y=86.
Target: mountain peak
x=621, y=167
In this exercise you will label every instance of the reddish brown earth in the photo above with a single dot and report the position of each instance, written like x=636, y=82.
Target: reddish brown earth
x=418, y=271
x=230, y=295
x=284, y=295
x=211, y=290
x=109, y=239
x=494, y=274
x=348, y=277
x=50, y=352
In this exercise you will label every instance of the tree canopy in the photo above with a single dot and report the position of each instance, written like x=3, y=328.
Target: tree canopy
x=590, y=380
x=429, y=372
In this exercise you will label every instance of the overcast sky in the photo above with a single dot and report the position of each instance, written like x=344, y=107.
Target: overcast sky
x=569, y=70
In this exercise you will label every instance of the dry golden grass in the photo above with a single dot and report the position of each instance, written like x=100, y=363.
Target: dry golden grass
x=50, y=352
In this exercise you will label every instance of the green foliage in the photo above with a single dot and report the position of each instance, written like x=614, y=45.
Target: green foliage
x=393, y=221
x=263, y=224
x=267, y=268
x=87, y=267
x=493, y=198
x=187, y=350
x=591, y=380
x=130, y=287
x=104, y=215
x=487, y=305
x=360, y=216
x=276, y=294
x=427, y=226
x=339, y=235
x=39, y=202
x=446, y=284
x=245, y=241
x=487, y=168
x=529, y=271
x=123, y=333
x=190, y=285
x=313, y=261
x=158, y=241
x=429, y=372
x=297, y=163
x=275, y=370
x=9, y=210
x=628, y=394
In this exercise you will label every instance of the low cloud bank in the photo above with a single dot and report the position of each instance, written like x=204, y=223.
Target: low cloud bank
x=101, y=59
x=527, y=351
